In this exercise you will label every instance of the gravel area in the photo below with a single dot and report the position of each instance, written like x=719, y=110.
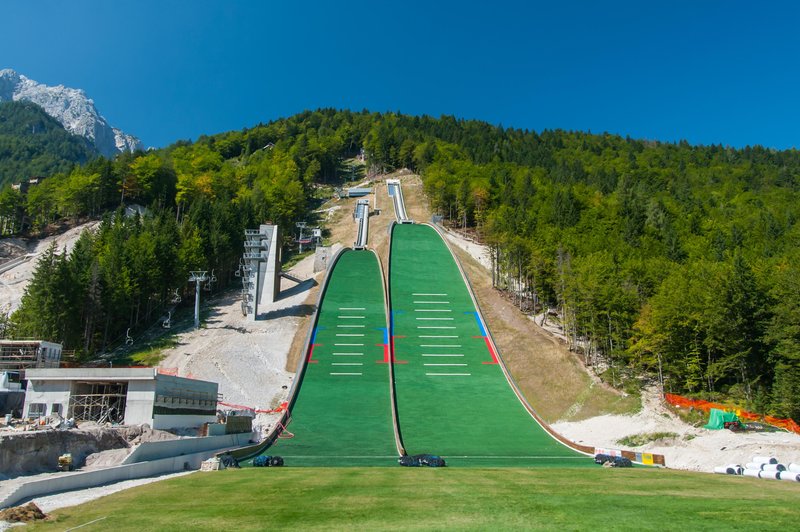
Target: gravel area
x=14, y=281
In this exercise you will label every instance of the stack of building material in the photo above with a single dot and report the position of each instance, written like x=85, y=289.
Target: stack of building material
x=763, y=467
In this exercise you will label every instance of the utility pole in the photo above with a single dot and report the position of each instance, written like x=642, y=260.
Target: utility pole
x=197, y=277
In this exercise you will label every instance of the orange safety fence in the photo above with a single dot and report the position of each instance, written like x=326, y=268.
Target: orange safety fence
x=705, y=406
x=283, y=406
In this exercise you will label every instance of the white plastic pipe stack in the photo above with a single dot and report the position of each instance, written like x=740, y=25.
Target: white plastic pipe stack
x=753, y=465
x=751, y=472
x=764, y=460
x=773, y=467
x=732, y=469
x=794, y=468
x=771, y=475
x=790, y=476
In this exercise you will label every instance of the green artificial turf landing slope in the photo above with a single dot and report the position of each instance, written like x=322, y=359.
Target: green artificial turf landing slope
x=452, y=397
x=343, y=412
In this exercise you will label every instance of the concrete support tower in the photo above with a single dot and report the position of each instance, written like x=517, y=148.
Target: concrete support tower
x=260, y=268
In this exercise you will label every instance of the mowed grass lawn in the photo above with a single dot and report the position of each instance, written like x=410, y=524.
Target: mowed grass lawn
x=459, y=499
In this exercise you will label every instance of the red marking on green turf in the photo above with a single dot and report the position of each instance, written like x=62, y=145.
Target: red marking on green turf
x=311, y=354
x=491, y=351
x=389, y=353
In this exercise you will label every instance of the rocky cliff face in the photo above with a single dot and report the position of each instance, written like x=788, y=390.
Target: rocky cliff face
x=72, y=108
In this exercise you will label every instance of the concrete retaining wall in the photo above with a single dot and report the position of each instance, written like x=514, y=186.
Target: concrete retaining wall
x=89, y=479
x=157, y=450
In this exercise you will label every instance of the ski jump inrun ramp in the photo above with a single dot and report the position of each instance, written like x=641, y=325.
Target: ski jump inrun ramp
x=409, y=367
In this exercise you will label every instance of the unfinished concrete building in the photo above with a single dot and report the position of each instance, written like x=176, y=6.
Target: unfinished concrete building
x=19, y=355
x=129, y=396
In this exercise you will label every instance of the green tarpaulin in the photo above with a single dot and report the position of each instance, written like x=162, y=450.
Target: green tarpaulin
x=717, y=419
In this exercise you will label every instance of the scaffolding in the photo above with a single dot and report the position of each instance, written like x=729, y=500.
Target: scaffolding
x=105, y=402
x=18, y=355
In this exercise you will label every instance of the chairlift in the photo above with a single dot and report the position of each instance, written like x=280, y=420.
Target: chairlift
x=177, y=297
x=128, y=338
x=213, y=277
x=167, y=323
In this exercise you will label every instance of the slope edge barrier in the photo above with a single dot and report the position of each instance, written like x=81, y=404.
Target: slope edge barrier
x=398, y=441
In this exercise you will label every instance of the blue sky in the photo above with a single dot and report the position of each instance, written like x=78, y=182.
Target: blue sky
x=722, y=72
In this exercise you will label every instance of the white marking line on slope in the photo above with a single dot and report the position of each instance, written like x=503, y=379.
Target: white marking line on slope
x=346, y=373
x=347, y=363
x=349, y=345
x=351, y=317
x=429, y=295
x=352, y=308
x=439, y=345
x=340, y=334
x=352, y=326
x=444, y=364
x=431, y=327
x=431, y=310
x=435, y=319
x=431, y=302
x=449, y=374
x=442, y=354
x=348, y=354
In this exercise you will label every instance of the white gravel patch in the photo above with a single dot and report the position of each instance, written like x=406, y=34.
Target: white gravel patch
x=247, y=358
x=14, y=281
x=693, y=449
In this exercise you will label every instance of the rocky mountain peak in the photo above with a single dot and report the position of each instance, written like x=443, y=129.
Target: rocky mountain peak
x=72, y=108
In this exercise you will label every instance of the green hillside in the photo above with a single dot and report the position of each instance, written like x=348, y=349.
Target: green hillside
x=661, y=260
x=33, y=144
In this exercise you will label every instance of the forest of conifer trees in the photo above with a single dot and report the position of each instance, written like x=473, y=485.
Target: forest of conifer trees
x=666, y=261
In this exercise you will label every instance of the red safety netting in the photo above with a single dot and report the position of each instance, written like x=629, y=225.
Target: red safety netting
x=705, y=406
x=283, y=406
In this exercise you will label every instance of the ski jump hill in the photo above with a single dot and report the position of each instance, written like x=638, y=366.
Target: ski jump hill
x=409, y=367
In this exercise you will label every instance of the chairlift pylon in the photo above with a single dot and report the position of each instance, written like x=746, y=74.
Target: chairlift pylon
x=128, y=338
